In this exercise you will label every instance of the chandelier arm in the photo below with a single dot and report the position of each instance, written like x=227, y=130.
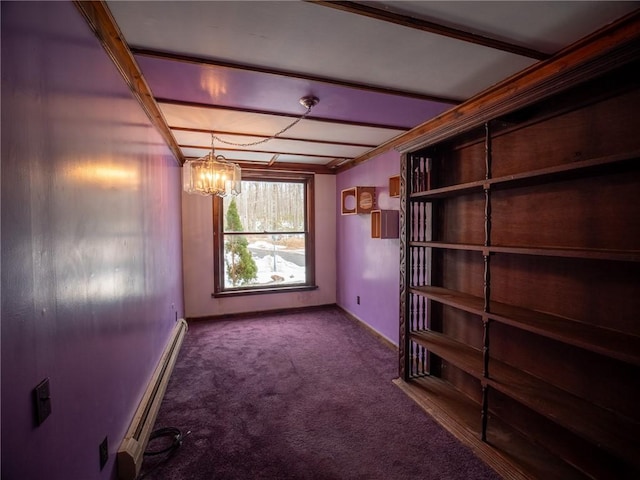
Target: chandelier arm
x=265, y=140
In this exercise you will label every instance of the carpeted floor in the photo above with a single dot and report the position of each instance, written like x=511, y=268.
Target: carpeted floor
x=298, y=396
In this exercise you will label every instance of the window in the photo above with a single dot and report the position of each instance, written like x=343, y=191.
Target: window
x=263, y=238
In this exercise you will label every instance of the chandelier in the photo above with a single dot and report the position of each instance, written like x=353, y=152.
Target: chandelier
x=211, y=175
x=215, y=175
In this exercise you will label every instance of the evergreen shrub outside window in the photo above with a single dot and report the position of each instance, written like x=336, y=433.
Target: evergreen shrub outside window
x=263, y=238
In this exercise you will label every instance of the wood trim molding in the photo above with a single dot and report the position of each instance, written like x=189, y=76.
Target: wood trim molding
x=431, y=27
x=273, y=160
x=336, y=163
x=258, y=313
x=595, y=55
x=99, y=18
x=131, y=452
x=252, y=150
x=288, y=167
x=370, y=330
x=284, y=167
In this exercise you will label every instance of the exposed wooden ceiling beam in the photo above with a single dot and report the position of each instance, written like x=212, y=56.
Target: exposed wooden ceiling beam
x=334, y=121
x=269, y=152
x=287, y=167
x=245, y=134
x=431, y=27
x=100, y=20
x=336, y=163
x=283, y=73
x=282, y=167
x=273, y=160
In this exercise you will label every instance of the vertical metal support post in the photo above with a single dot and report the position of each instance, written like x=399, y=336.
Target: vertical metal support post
x=487, y=283
x=485, y=348
x=487, y=220
x=487, y=191
x=485, y=411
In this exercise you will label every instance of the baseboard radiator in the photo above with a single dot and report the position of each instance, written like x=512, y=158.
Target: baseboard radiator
x=130, y=454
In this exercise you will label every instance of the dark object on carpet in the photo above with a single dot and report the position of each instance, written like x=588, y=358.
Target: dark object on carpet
x=299, y=396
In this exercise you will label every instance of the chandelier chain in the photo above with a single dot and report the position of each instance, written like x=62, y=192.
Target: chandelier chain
x=265, y=140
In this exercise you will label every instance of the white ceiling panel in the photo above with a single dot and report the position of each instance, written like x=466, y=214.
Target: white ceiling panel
x=229, y=155
x=547, y=26
x=276, y=145
x=303, y=37
x=226, y=66
x=262, y=124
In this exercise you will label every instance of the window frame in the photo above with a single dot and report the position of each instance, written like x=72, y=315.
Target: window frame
x=309, y=230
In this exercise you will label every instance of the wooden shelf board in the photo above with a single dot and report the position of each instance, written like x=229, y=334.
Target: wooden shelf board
x=459, y=354
x=443, y=192
x=569, y=252
x=590, y=337
x=593, y=463
x=545, y=251
x=557, y=172
x=597, y=339
x=595, y=424
x=453, y=298
x=510, y=454
x=450, y=246
x=562, y=171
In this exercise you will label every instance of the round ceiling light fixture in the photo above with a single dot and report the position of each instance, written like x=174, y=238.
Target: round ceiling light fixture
x=309, y=101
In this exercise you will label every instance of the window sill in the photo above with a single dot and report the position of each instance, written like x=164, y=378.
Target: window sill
x=263, y=291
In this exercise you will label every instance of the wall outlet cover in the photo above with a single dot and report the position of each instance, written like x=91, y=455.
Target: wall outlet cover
x=42, y=399
x=104, y=452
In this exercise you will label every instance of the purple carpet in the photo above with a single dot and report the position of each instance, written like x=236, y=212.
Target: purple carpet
x=298, y=396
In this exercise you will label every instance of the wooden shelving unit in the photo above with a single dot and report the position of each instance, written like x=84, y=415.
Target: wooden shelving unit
x=554, y=173
x=394, y=186
x=510, y=453
x=593, y=253
x=384, y=224
x=596, y=424
x=358, y=200
x=521, y=284
x=607, y=342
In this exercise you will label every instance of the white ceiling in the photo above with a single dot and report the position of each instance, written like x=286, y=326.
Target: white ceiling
x=336, y=55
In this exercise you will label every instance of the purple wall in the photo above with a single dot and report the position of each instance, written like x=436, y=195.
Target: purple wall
x=367, y=267
x=91, y=269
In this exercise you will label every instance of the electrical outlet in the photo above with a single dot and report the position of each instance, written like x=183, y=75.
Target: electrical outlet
x=104, y=452
x=42, y=398
x=358, y=299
